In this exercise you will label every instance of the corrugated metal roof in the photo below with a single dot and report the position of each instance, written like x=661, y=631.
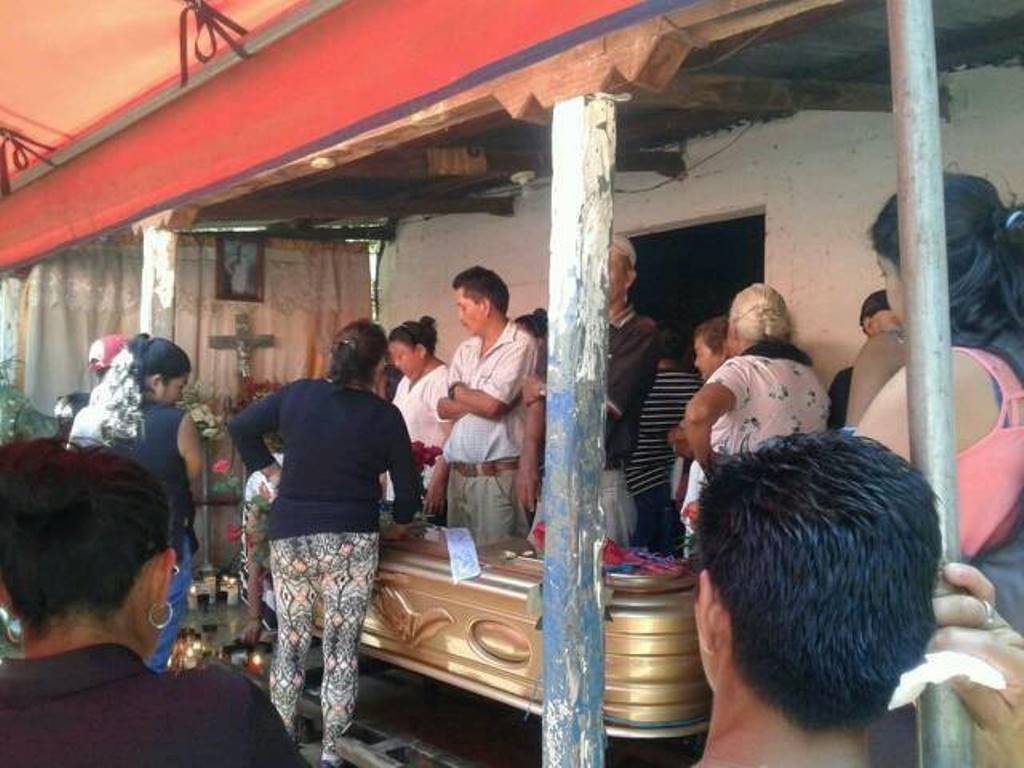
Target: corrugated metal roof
x=854, y=45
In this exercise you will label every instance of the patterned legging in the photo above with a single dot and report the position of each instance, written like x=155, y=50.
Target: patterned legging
x=340, y=567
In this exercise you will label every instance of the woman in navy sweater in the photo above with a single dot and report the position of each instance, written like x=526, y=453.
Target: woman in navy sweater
x=339, y=438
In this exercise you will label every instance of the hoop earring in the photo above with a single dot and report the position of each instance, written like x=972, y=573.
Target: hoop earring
x=161, y=625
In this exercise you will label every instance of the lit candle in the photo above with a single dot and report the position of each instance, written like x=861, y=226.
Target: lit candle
x=193, y=598
x=231, y=588
x=238, y=655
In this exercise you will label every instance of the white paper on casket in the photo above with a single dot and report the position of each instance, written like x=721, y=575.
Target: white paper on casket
x=462, y=554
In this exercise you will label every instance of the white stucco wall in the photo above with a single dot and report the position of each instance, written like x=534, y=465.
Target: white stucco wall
x=819, y=177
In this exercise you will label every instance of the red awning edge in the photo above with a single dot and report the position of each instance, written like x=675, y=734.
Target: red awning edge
x=362, y=65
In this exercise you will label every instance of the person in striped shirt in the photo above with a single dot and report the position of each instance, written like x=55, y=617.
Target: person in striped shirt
x=649, y=471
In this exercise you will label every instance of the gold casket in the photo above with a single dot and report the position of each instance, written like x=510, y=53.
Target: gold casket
x=484, y=635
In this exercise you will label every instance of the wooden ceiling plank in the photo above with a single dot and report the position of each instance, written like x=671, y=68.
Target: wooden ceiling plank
x=751, y=95
x=316, y=207
x=528, y=93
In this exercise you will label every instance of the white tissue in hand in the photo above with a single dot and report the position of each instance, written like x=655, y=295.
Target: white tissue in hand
x=940, y=667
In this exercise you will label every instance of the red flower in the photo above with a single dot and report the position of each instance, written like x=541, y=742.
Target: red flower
x=251, y=390
x=423, y=455
x=613, y=554
x=221, y=467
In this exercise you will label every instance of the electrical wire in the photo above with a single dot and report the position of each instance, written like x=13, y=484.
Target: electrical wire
x=739, y=135
x=728, y=54
x=653, y=187
x=686, y=172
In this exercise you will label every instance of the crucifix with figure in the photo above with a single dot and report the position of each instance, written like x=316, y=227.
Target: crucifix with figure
x=243, y=343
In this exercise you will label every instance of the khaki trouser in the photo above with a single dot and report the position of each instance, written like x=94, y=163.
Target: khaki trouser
x=487, y=506
x=616, y=502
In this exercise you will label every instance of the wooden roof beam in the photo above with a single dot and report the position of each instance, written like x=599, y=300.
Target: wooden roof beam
x=332, y=209
x=308, y=230
x=753, y=95
x=496, y=163
x=645, y=56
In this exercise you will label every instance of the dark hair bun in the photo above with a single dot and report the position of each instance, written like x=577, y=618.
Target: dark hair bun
x=984, y=243
x=159, y=356
x=358, y=349
x=76, y=526
x=413, y=332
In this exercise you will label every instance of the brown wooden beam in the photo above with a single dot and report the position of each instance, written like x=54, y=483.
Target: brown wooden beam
x=660, y=128
x=413, y=166
x=754, y=95
x=308, y=231
x=266, y=208
x=646, y=54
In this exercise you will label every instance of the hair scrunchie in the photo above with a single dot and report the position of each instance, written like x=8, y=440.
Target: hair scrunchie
x=1009, y=226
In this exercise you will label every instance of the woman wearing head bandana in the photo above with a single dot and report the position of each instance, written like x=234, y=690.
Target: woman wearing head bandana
x=133, y=412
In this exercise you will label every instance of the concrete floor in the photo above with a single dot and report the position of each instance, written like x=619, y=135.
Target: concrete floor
x=473, y=730
x=485, y=733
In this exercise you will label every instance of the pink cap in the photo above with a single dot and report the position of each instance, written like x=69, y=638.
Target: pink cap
x=104, y=350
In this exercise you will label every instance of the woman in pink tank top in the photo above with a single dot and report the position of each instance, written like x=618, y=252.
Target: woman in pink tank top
x=985, y=246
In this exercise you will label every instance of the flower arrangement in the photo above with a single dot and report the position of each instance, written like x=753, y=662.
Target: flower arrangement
x=251, y=391
x=224, y=482
x=424, y=456
x=199, y=404
x=255, y=528
x=19, y=420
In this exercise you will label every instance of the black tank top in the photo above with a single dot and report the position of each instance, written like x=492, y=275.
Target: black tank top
x=156, y=449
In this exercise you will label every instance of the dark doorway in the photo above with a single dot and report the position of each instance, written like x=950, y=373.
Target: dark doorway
x=686, y=276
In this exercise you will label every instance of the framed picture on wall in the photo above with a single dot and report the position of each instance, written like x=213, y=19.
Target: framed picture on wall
x=239, y=268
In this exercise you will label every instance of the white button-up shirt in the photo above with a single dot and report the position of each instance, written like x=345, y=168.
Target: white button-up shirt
x=500, y=374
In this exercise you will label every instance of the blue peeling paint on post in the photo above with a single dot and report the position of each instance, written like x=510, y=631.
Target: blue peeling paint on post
x=583, y=154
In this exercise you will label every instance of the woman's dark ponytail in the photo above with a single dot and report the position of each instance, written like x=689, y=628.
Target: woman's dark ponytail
x=357, y=351
x=157, y=356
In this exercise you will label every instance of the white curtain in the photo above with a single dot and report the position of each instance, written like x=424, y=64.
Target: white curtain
x=68, y=301
x=311, y=289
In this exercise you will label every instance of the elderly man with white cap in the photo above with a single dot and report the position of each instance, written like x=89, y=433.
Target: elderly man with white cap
x=632, y=365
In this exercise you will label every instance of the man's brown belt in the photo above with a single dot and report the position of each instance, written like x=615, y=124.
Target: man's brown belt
x=487, y=469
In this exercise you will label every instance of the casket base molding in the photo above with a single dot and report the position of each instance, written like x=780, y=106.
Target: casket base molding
x=480, y=636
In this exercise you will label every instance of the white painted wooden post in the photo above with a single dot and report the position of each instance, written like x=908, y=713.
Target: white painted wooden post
x=156, y=303
x=10, y=311
x=583, y=155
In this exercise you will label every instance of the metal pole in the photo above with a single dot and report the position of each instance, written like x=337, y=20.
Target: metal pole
x=944, y=729
x=583, y=153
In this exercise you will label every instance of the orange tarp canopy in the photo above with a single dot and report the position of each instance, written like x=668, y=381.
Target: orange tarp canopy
x=68, y=68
